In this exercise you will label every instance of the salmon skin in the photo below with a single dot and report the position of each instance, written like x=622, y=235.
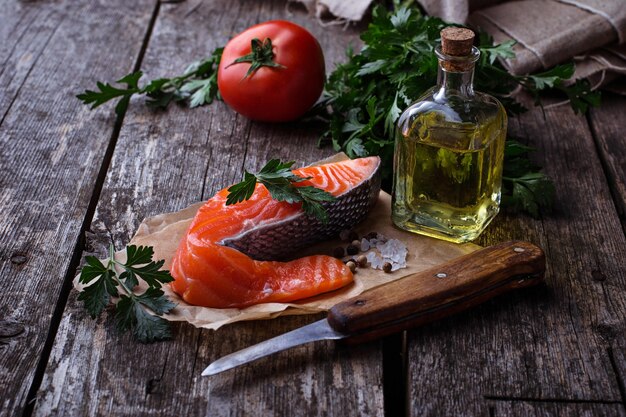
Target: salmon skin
x=283, y=238
x=228, y=257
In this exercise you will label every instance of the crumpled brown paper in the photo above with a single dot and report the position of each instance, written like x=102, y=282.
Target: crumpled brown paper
x=164, y=231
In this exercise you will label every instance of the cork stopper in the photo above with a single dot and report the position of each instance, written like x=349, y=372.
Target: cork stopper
x=457, y=41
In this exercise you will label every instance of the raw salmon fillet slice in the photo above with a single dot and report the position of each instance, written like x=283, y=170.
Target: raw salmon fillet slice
x=227, y=257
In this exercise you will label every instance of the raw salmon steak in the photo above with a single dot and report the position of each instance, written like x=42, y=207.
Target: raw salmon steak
x=228, y=257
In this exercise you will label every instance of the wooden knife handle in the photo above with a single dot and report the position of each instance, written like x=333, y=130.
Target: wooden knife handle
x=438, y=292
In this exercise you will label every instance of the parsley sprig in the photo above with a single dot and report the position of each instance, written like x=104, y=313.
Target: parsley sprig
x=524, y=187
x=197, y=84
x=281, y=182
x=131, y=311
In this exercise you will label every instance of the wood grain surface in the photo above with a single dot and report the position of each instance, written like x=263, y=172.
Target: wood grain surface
x=73, y=180
x=608, y=128
x=52, y=152
x=553, y=408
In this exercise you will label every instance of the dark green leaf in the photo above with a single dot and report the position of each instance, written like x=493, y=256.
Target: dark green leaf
x=97, y=295
x=276, y=167
x=281, y=182
x=92, y=270
x=198, y=84
x=514, y=148
x=150, y=328
x=281, y=191
x=315, y=210
x=355, y=148
x=242, y=190
x=392, y=116
x=146, y=328
x=156, y=301
x=131, y=80
x=552, y=77
x=371, y=67
x=156, y=85
x=309, y=193
x=137, y=255
x=151, y=274
x=503, y=50
x=125, y=314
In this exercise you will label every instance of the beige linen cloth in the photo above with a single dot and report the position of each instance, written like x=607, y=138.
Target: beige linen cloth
x=548, y=32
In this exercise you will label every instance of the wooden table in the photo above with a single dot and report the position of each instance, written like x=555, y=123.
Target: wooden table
x=72, y=180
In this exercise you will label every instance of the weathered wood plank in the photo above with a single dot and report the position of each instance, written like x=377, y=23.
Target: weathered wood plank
x=163, y=162
x=25, y=32
x=608, y=125
x=525, y=409
x=546, y=342
x=52, y=150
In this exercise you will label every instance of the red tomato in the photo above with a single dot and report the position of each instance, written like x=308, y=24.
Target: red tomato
x=276, y=93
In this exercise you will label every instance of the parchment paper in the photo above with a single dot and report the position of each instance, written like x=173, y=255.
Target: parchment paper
x=164, y=231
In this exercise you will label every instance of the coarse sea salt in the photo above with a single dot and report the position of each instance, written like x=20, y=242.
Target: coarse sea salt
x=384, y=250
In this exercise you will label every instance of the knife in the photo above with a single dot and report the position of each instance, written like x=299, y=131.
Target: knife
x=411, y=301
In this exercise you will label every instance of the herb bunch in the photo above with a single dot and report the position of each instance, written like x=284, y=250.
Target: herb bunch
x=197, y=85
x=281, y=183
x=364, y=97
x=131, y=311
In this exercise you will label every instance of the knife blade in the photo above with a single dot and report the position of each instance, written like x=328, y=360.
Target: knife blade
x=411, y=301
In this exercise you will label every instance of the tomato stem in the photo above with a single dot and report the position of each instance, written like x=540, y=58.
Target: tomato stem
x=261, y=55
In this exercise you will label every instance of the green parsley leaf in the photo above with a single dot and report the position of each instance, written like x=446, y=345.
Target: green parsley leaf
x=280, y=181
x=355, y=148
x=503, y=50
x=524, y=188
x=130, y=314
x=241, y=191
x=552, y=77
x=197, y=85
x=131, y=310
x=108, y=92
x=97, y=296
x=155, y=300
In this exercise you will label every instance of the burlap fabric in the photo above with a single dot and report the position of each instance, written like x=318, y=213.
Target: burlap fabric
x=548, y=32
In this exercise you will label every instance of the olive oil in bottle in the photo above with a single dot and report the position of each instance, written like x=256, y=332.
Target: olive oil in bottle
x=449, y=151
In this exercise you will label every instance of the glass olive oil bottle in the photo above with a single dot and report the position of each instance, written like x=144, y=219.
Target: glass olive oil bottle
x=449, y=150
